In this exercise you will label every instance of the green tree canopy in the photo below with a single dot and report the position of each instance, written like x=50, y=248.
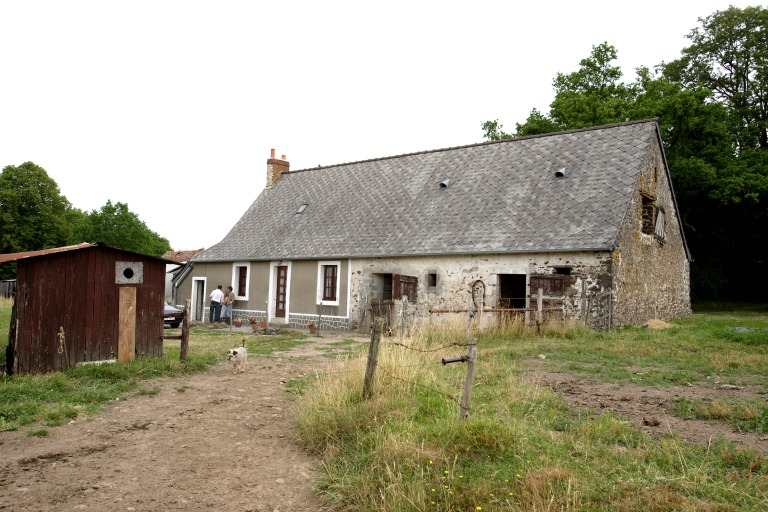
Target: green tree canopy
x=592, y=95
x=116, y=226
x=33, y=213
x=729, y=56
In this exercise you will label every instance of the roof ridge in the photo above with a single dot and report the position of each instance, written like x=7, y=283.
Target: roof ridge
x=478, y=144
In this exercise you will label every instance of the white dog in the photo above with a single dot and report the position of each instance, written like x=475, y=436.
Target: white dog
x=238, y=356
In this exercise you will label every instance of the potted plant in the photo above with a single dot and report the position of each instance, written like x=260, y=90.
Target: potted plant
x=312, y=328
x=254, y=323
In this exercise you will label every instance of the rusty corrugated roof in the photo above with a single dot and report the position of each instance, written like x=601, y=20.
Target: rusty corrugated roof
x=181, y=256
x=15, y=256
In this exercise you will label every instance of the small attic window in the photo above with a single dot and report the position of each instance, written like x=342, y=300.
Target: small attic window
x=302, y=207
x=445, y=183
x=560, y=173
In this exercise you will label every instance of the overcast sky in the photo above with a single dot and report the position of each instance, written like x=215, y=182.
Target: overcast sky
x=173, y=106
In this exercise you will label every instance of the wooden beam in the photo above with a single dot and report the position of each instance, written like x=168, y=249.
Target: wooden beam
x=126, y=344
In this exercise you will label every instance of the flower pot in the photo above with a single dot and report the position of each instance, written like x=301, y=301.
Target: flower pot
x=263, y=324
x=238, y=322
x=313, y=330
x=255, y=326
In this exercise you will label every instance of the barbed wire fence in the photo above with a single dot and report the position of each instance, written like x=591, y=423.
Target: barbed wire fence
x=404, y=320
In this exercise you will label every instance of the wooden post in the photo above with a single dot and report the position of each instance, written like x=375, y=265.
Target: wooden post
x=470, y=382
x=126, y=335
x=185, y=331
x=610, y=310
x=539, y=306
x=373, y=357
x=403, y=305
x=469, y=313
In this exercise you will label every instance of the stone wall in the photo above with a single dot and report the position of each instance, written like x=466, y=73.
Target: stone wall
x=652, y=271
x=454, y=277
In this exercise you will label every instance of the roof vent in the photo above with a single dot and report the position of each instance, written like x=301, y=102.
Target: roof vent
x=560, y=173
x=302, y=207
x=445, y=183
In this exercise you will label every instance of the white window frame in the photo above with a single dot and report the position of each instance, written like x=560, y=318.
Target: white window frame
x=236, y=281
x=660, y=227
x=321, y=283
x=193, y=303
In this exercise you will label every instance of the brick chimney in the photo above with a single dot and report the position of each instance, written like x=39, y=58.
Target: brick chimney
x=276, y=167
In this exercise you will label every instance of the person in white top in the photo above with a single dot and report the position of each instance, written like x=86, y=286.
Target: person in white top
x=216, y=297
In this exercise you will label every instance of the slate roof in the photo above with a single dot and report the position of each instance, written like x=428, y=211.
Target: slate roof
x=503, y=197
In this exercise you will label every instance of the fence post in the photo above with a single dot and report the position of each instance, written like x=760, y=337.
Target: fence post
x=403, y=307
x=373, y=357
x=469, y=313
x=610, y=309
x=470, y=382
x=319, y=317
x=185, y=331
x=539, y=306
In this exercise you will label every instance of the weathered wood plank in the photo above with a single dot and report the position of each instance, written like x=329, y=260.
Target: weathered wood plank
x=126, y=347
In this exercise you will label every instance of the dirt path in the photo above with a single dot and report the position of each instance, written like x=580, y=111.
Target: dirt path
x=651, y=409
x=213, y=441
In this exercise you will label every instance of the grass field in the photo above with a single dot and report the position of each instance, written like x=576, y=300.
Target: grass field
x=523, y=448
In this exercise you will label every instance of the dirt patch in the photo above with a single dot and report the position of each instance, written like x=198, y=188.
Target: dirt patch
x=650, y=409
x=214, y=441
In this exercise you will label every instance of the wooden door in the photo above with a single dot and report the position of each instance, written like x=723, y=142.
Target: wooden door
x=405, y=286
x=280, y=291
x=552, y=286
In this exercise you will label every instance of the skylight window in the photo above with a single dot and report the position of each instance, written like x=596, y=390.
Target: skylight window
x=302, y=207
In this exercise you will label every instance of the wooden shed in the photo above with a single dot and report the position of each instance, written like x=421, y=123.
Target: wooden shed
x=85, y=302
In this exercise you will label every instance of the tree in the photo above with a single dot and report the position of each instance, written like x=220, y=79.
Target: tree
x=116, y=226
x=494, y=131
x=593, y=95
x=33, y=213
x=536, y=124
x=729, y=56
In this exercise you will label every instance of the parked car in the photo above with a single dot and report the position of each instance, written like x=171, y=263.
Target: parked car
x=172, y=315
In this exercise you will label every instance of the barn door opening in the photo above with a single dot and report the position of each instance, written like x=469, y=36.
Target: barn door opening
x=512, y=293
x=387, y=290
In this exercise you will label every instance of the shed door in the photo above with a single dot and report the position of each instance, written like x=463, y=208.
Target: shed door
x=280, y=291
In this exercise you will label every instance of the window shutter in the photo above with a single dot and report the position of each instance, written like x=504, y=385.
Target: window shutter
x=405, y=286
x=553, y=284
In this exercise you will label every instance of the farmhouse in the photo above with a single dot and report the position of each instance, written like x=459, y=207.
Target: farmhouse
x=587, y=216
x=84, y=302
